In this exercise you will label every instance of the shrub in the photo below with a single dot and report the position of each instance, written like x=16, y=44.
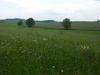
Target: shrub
x=20, y=23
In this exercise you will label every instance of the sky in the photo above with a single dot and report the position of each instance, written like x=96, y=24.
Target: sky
x=75, y=10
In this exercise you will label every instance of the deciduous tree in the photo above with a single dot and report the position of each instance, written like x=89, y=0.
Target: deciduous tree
x=30, y=22
x=66, y=23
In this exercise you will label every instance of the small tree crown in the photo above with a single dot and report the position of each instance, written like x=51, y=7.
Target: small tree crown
x=30, y=22
x=20, y=23
x=66, y=23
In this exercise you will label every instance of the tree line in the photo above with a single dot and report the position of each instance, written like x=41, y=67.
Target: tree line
x=31, y=23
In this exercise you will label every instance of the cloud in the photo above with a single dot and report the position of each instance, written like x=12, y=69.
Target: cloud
x=98, y=16
x=97, y=0
x=51, y=9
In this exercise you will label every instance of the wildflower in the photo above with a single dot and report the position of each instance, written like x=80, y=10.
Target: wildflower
x=53, y=66
x=7, y=43
x=75, y=67
x=22, y=51
x=55, y=38
x=56, y=45
x=29, y=52
x=5, y=56
x=34, y=41
x=44, y=39
x=84, y=46
x=60, y=46
x=40, y=67
x=7, y=53
x=33, y=33
x=2, y=47
x=34, y=53
x=20, y=47
x=62, y=71
x=5, y=40
x=40, y=57
x=47, y=43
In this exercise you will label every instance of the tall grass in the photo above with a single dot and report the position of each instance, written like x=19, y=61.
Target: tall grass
x=39, y=51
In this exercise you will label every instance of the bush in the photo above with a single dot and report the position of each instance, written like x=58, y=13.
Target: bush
x=66, y=23
x=30, y=22
x=20, y=23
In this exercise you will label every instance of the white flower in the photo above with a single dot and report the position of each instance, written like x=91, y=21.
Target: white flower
x=44, y=39
x=7, y=53
x=20, y=47
x=35, y=41
x=53, y=66
x=84, y=46
x=5, y=40
x=62, y=71
x=7, y=43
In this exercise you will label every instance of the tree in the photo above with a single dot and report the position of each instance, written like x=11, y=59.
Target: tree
x=20, y=23
x=66, y=23
x=30, y=22
x=97, y=20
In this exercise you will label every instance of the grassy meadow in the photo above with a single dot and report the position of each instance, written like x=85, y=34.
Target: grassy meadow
x=49, y=49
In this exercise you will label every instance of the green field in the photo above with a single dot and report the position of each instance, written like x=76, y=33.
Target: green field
x=75, y=25
x=49, y=49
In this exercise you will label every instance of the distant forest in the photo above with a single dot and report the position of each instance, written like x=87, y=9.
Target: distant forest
x=19, y=19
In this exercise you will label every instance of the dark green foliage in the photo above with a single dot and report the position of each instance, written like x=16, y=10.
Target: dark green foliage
x=66, y=23
x=47, y=21
x=98, y=21
x=20, y=23
x=15, y=19
x=30, y=22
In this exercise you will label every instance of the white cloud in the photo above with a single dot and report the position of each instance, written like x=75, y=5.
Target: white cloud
x=98, y=16
x=51, y=9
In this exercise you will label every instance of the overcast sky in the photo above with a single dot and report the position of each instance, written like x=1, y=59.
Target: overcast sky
x=75, y=10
